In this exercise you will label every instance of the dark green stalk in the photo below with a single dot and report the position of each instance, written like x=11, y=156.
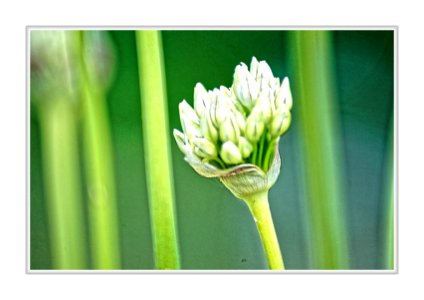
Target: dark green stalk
x=157, y=149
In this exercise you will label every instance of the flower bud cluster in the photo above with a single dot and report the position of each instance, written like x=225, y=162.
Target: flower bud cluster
x=226, y=125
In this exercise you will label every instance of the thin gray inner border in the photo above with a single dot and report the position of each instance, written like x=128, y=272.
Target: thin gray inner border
x=395, y=30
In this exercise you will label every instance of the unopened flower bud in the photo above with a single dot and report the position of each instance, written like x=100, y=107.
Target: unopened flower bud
x=189, y=120
x=263, y=105
x=201, y=99
x=222, y=109
x=284, y=95
x=188, y=111
x=204, y=148
x=254, y=127
x=245, y=86
x=99, y=57
x=241, y=121
x=245, y=147
x=229, y=130
x=280, y=123
x=264, y=71
x=207, y=128
x=254, y=64
x=230, y=153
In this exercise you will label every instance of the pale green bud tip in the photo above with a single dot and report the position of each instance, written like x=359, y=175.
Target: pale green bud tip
x=284, y=95
x=201, y=99
x=208, y=130
x=230, y=153
x=254, y=128
x=187, y=111
x=279, y=124
x=204, y=149
x=245, y=147
x=180, y=138
x=229, y=130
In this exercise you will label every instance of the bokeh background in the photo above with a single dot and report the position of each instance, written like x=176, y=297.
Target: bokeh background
x=215, y=230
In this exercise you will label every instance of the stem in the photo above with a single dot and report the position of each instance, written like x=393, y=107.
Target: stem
x=268, y=157
x=102, y=206
x=157, y=149
x=321, y=150
x=62, y=184
x=388, y=221
x=259, y=207
x=220, y=162
x=255, y=153
x=261, y=150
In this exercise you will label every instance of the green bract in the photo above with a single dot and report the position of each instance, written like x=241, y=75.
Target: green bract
x=235, y=131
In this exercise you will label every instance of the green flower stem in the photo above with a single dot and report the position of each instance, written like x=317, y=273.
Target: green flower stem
x=259, y=207
x=261, y=151
x=102, y=205
x=389, y=239
x=254, y=154
x=157, y=149
x=388, y=222
x=62, y=184
x=269, y=155
x=319, y=133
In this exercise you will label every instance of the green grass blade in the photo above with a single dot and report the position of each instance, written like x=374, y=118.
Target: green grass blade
x=157, y=149
x=315, y=101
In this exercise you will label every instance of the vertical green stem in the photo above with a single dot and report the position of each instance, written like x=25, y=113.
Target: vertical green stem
x=259, y=207
x=102, y=207
x=62, y=184
x=389, y=226
x=261, y=151
x=269, y=155
x=389, y=251
x=157, y=149
x=322, y=155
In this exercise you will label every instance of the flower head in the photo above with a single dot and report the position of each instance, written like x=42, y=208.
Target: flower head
x=233, y=133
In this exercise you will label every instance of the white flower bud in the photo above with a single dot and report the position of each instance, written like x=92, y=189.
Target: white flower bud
x=189, y=120
x=204, y=148
x=254, y=127
x=245, y=147
x=222, y=109
x=279, y=124
x=230, y=153
x=245, y=87
x=229, y=130
x=207, y=128
x=241, y=121
x=181, y=140
x=201, y=99
x=284, y=95
x=264, y=72
x=188, y=111
x=254, y=64
x=263, y=106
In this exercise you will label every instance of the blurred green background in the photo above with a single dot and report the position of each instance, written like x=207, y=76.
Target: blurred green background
x=215, y=229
